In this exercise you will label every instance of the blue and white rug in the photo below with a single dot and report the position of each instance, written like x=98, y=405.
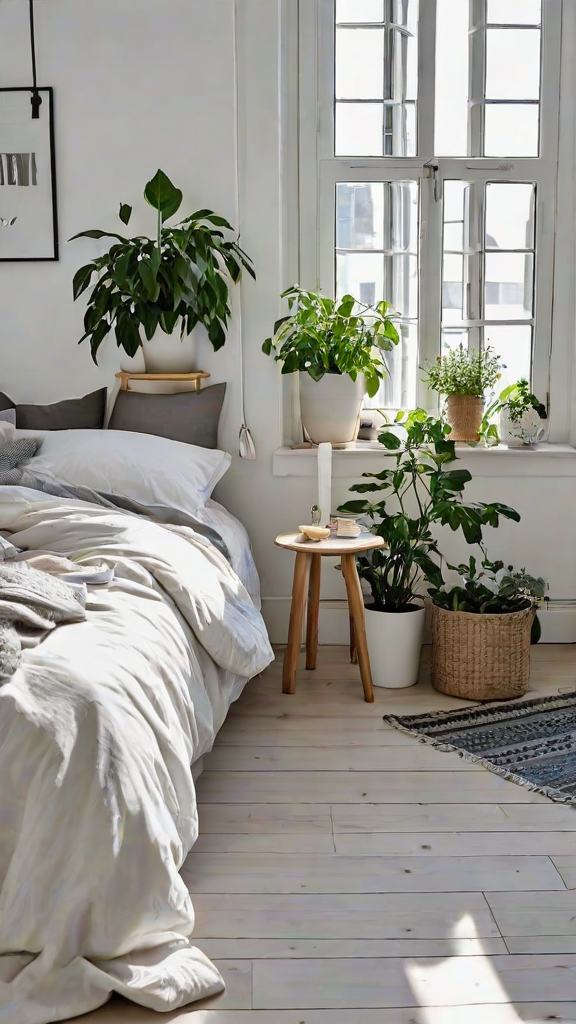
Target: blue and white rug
x=532, y=743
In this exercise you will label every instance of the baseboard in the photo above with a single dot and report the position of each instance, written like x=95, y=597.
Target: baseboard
x=558, y=621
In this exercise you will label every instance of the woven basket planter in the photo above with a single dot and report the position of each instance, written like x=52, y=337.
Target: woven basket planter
x=464, y=414
x=480, y=657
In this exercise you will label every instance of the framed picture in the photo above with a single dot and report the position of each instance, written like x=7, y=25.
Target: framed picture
x=28, y=213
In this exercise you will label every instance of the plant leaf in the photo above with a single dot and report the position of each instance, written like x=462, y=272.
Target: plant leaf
x=125, y=212
x=162, y=195
x=82, y=279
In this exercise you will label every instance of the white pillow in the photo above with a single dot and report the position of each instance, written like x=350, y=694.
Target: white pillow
x=151, y=470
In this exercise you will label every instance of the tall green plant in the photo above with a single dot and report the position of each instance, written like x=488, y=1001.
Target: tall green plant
x=340, y=336
x=420, y=492
x=180, y=277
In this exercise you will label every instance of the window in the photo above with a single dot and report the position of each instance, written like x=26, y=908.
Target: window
x=429, y=173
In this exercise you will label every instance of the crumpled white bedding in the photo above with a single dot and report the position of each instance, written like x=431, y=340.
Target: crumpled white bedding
x=98, y=730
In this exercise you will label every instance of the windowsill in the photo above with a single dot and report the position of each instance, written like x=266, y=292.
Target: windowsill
x=544, y=460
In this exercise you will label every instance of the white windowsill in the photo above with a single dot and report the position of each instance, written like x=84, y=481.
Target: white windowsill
x=544, y=460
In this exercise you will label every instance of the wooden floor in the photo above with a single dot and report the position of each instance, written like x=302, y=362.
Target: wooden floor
x=346, y=874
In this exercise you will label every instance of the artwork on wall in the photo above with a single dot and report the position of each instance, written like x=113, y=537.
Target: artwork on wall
x=28, y=213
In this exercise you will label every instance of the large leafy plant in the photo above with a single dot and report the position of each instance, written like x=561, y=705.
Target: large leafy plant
x=461, y=372
x=341, y=336
x=420, y=491
x=179, y=278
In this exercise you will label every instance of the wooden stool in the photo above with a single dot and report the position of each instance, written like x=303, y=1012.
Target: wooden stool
x=307, y=570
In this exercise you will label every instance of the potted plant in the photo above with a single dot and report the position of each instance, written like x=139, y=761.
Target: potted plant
x=145, y=287
x=463, y=378
x=522, y=416
x=420, y=491
x=337, y=346
x=482, y=630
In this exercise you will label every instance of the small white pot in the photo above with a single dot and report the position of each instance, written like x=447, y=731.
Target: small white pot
x=522, y=433
x=394, y=646
x=330, y=408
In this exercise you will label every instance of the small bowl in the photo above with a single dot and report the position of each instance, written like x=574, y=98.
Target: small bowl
x=315, y=532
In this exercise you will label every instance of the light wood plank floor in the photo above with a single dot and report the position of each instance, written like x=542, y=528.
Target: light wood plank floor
x=346, y=874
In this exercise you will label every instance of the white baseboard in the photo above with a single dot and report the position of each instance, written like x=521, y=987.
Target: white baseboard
x=558, y=621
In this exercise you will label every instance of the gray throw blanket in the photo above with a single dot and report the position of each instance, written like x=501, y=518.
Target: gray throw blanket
x=31, y=604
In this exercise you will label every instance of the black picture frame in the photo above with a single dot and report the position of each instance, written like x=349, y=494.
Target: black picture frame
x=46, y=109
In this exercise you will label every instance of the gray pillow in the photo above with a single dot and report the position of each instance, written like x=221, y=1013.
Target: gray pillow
x=190, y=416
x=85, y=413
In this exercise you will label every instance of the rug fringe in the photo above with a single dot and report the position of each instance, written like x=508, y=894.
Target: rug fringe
x=466, y=755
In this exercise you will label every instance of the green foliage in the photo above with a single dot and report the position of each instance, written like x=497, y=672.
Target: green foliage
x=516, y=399
x=490, y=589
x=179, y=278
x=420, y=491
x=461, y=372
x=322, y=335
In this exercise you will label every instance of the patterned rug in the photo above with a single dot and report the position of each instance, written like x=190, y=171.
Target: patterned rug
x=532, y=743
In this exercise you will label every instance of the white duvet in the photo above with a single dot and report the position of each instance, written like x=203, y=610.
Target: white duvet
x=98, y=730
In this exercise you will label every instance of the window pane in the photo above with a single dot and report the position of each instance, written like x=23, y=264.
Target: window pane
x=511, y=130
x=359, y=10
x=452, y=59
x=377, y=215
x=394, y=278
x=508, y=289
x=378, y=64
x=359, y=63
x=514, y=346
x=512, y=12
x=509, y=216
x=453, y=290
x=359, y=129
x=513, y=64
x=399, y=389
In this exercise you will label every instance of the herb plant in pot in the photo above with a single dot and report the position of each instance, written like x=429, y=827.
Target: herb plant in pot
x=146, y=289
x=420, y=490
x=482, y=630
x=338, y=348
x=464, y=378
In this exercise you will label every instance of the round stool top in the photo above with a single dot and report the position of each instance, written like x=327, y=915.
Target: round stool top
x=331, y=546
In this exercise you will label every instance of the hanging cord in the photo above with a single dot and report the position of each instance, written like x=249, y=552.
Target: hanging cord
x=246, y=446
x=35, y=98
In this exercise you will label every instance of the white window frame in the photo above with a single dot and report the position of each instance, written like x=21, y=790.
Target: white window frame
x=320, y=170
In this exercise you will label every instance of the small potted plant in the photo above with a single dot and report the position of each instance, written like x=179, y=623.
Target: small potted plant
x=522, y=416
x=420, y=492
x=338, y=348
x=464, y=378
x=145, y=288
x=482, y=630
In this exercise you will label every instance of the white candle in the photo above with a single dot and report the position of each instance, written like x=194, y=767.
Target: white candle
x=325, y=482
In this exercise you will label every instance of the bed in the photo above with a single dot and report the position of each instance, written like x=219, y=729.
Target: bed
x=103, y=723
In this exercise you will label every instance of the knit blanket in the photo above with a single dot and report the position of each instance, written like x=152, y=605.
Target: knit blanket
x=31, y=604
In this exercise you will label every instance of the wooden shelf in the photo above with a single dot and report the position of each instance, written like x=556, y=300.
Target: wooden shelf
x=196, y=377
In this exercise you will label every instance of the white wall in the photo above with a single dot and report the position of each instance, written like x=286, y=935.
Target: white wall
x=146, y=83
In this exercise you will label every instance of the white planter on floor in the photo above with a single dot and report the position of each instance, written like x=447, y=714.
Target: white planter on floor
x=330, y=408
x=394, y=646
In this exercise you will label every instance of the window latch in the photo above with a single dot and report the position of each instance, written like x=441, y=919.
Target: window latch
x=432, y=171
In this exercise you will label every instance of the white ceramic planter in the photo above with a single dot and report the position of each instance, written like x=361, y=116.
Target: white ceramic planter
x=330, y=408
x=522, y=433
x=169, y=353
x=394, y=646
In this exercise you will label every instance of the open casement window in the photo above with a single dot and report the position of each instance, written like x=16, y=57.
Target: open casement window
x=428, y=147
